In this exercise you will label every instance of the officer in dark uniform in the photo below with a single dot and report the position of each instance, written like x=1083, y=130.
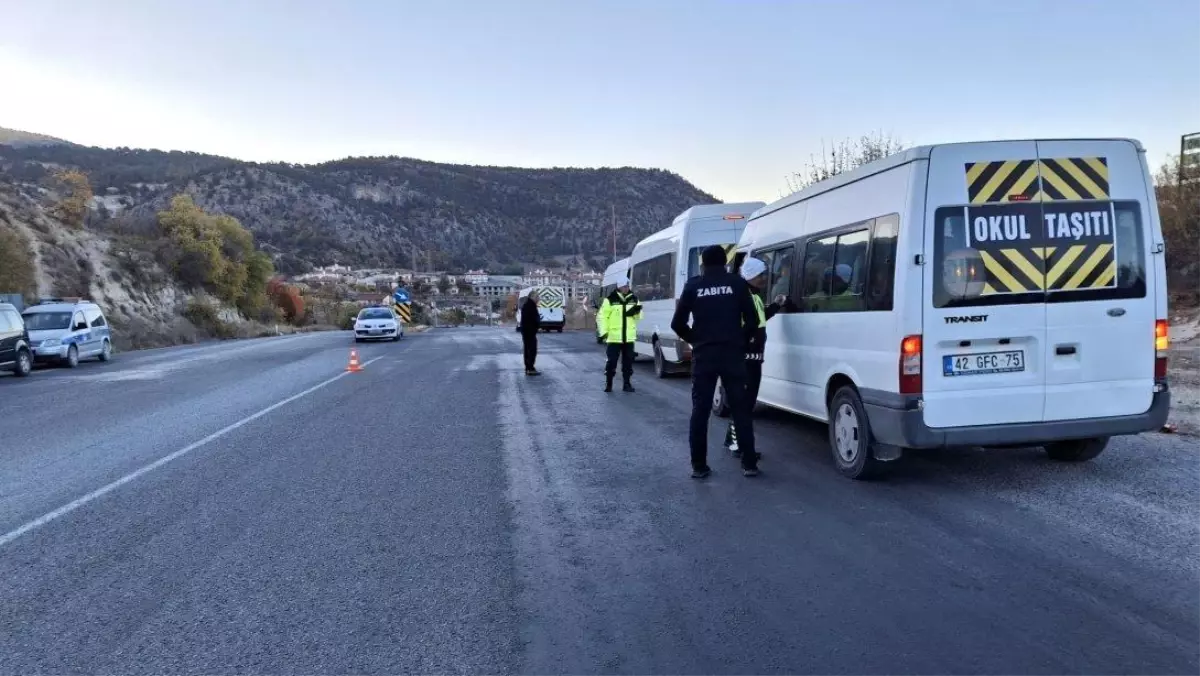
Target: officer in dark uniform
x=754, y=271
x=722, y=313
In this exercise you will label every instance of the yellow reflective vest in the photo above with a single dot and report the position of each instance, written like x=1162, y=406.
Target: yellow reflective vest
x=754, y=347
x=762, y=313
x=617, y=318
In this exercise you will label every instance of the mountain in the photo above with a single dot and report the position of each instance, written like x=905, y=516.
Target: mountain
x=378, y=210
x=18, y=138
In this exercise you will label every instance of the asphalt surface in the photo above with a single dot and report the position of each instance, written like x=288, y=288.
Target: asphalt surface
x=246, y=508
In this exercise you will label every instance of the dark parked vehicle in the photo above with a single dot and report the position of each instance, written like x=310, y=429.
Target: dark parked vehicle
x=15, y=354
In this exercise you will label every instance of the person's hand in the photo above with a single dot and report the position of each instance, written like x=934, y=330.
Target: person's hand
x=781, y=299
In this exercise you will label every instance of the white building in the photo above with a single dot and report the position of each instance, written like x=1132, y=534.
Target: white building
x=496, y=289
x=542, y=277
x=474, y=277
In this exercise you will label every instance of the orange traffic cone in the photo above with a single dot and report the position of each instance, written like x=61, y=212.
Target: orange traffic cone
x=354, y=366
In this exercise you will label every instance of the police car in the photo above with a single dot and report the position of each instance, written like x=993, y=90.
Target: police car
x=64, y=331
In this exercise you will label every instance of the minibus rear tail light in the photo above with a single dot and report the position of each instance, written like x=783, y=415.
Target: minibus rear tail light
x=910, y=365
x=1162, y=341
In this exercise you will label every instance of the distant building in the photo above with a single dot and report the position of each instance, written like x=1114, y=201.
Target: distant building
x=474, y=277
x=367, y=298
x=583, y=292
x=512, y=279
x=330, y=273
x=376, y=279
x=543, y=277
x=496, y=289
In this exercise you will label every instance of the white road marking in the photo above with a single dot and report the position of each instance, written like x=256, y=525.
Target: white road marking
x=108, y=488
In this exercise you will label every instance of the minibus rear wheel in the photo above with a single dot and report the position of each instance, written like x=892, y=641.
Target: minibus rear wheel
x=850, y=435
x=1076, y=450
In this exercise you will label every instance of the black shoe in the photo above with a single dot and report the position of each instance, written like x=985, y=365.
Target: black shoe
x=701, y=473
x=532, y=372
x=627, y=387
x=749, y=471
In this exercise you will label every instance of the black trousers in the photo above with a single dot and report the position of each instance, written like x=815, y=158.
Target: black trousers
x=626, y=354
x=529, y=342
x=730, y=368
x=753, y=381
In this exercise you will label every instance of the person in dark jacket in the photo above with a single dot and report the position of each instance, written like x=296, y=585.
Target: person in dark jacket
x=754, y=271
x=721, y=308
x=530, y=322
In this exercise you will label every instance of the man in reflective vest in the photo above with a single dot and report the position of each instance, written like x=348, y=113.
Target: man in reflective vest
x=754, y=271
x=616, y=321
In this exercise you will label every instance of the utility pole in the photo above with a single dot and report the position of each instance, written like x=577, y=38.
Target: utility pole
x=612, y=209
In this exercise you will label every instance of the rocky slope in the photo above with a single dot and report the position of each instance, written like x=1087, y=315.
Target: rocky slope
x=145, y=304
x=18, y=138
x=381, y=210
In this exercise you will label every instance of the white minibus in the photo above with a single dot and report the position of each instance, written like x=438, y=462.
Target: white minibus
x=551, y=306
x=614, y=275
x=1000, y=293
x=663, y=262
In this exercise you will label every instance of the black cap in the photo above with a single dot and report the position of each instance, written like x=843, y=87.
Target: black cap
x=713, y=255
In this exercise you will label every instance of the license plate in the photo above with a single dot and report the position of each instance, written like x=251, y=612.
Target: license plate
x=983, y=362
x=376, y=332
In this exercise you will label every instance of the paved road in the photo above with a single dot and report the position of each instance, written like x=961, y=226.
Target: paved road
x=442, y=513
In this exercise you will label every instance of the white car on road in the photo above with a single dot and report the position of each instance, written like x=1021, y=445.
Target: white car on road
x=377, y=323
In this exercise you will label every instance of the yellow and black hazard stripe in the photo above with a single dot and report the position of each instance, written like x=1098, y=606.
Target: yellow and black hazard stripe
x=551, y=297
x=1002, y=181
x=1074, y=178
x=1034, y=269
x=730, y=252
x=1045, y=180
x=1013, y=270
x=404, y=310
x=1080, y=266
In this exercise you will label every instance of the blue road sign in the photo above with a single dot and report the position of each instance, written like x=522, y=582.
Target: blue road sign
x=400, y=296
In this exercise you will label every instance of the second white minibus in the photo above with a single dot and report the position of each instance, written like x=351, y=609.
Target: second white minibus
x=663, y=262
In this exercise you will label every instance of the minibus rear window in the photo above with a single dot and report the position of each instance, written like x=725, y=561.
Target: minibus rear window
x=1019, y=253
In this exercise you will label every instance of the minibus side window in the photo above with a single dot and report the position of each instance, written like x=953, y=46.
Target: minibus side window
x=849, y=273
x=780, y=268
x=736, y=266
x=883, y=263
x=695, y=266
x=654, y=279
x=818, y=259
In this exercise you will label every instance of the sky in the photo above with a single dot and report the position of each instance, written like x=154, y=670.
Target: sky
x=734, y=95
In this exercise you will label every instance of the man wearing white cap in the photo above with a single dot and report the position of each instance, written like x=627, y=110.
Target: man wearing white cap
x=754, y=271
